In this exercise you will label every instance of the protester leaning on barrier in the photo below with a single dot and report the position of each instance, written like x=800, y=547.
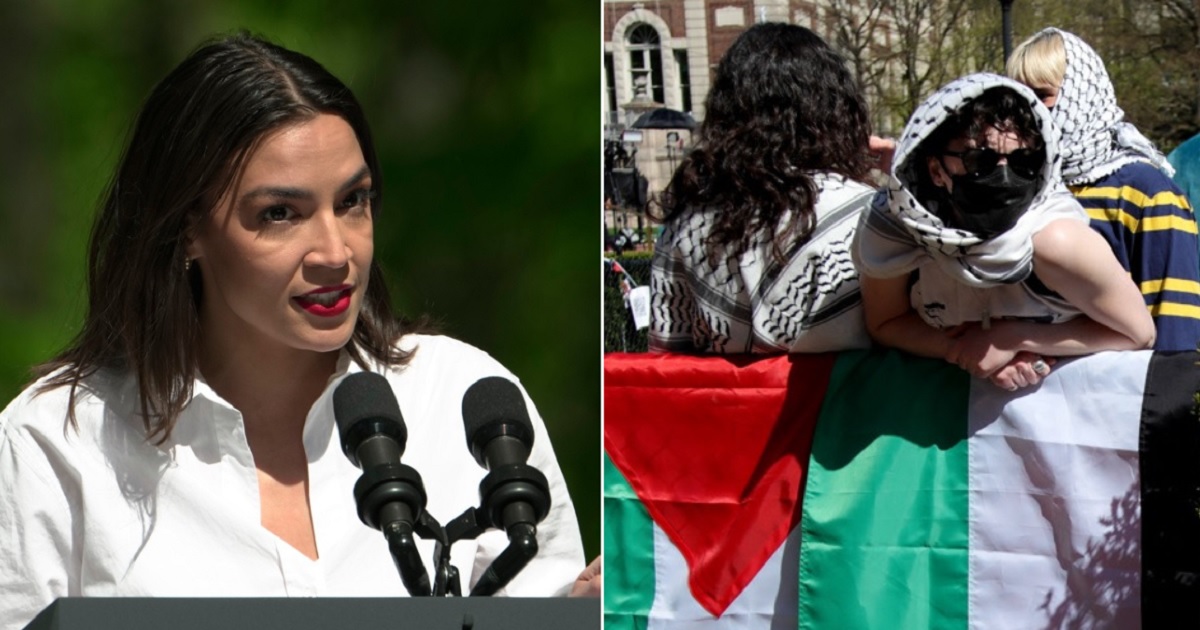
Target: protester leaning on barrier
x=1121, y=179
x=976, y=253
x=754, y=256
x=184, y=443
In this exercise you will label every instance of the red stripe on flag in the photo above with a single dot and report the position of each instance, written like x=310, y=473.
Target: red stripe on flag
x=717, y=450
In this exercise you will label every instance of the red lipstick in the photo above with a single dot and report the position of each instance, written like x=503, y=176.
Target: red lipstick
x=326, y=301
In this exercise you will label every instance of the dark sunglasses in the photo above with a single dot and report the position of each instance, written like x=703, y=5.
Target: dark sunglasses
x=1024, y=162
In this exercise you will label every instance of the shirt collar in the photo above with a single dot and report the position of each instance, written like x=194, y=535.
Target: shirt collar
x=318, y=425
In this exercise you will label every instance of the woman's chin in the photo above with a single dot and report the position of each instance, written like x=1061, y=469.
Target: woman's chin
x=323, y=341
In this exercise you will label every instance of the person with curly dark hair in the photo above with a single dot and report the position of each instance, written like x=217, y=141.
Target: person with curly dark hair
x=976, y=252
x=755, y=253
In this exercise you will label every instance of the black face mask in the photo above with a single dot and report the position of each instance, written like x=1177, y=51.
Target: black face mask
x=990, y=203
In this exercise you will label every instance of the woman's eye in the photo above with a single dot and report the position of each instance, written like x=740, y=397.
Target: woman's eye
x=358, y=199
x=276, y=214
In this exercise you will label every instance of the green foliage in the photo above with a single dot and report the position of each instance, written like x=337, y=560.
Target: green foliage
x=1151, y=50
x=903, y=50
x=485, y=124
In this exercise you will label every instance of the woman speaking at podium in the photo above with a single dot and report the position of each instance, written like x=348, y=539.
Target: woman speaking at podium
x=184, y=443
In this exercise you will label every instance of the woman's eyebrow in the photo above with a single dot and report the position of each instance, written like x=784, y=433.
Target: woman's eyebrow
x=362, y=173
x=279, y=192
x=291, y=192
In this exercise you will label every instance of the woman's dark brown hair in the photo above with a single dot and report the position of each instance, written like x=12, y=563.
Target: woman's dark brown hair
x=191, y=138
x=1001, y=107
x=782, y=106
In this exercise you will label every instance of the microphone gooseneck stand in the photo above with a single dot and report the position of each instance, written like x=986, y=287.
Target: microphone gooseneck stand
x=516, y=494
x=387, y=496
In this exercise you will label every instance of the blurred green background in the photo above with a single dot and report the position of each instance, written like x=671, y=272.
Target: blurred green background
x=486, y=119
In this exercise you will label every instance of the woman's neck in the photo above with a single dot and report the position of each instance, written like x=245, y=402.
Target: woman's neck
x=274, y=385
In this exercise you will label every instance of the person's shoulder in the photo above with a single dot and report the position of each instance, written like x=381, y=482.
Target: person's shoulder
x=691, y=219
x=39, y=414
x=683, y=236
x=427, y=344
x=838, y=184
x=37, y=404
x=860, y=188
x=440, y=354
x=841, y=203
x=1185, y=153
x=440, y=372
x=1060, y=202
x=1064, y=242
x=1141, y=176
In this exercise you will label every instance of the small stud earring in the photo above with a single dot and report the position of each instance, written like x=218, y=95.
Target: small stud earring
x=187, y=264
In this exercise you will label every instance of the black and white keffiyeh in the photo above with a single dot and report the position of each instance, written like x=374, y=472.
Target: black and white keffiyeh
x=899, y=234
x=1096, y=140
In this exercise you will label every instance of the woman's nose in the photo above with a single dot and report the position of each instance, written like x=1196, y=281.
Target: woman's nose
x=328, y=246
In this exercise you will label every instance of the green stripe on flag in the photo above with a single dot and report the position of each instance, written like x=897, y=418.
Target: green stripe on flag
x=628, y=588
x=893, y=426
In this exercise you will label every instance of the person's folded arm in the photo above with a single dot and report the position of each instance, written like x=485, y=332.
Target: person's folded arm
x=892, y=321
x=1074, y=261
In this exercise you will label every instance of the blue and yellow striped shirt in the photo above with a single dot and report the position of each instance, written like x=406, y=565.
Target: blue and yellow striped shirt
x=1150, y=225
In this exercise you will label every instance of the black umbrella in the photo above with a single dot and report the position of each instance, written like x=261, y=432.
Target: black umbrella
x=664, y=118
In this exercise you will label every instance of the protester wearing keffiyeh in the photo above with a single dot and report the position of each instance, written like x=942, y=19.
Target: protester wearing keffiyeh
x=903, y=232
x=977, y=254
x=1096, y=139
x=1121, y=179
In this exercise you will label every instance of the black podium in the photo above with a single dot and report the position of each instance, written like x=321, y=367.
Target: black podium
x=326, y=613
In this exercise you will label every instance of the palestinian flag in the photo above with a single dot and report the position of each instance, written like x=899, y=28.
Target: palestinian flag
x=879, y=490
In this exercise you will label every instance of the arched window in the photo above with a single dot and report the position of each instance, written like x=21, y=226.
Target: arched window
x=645, y=63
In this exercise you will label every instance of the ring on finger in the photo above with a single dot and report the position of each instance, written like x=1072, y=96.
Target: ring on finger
x=1040, y=367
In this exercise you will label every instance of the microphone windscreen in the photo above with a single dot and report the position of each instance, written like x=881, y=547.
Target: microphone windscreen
x=364, y=405
x=494, y=406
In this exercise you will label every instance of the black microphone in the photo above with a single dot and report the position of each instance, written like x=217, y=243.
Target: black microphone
x=389, y=495
x=498, y=428
x=514, y=496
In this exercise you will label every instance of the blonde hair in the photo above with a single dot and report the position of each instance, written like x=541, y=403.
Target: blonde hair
x=1040, y=61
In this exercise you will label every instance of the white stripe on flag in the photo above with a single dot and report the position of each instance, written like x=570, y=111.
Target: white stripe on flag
x=1054, y=497
x=769, y=601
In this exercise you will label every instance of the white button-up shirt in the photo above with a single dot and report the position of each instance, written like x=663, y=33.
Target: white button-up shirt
x=102, y=512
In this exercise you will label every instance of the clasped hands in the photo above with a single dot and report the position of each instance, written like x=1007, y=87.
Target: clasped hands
x=974, y=349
